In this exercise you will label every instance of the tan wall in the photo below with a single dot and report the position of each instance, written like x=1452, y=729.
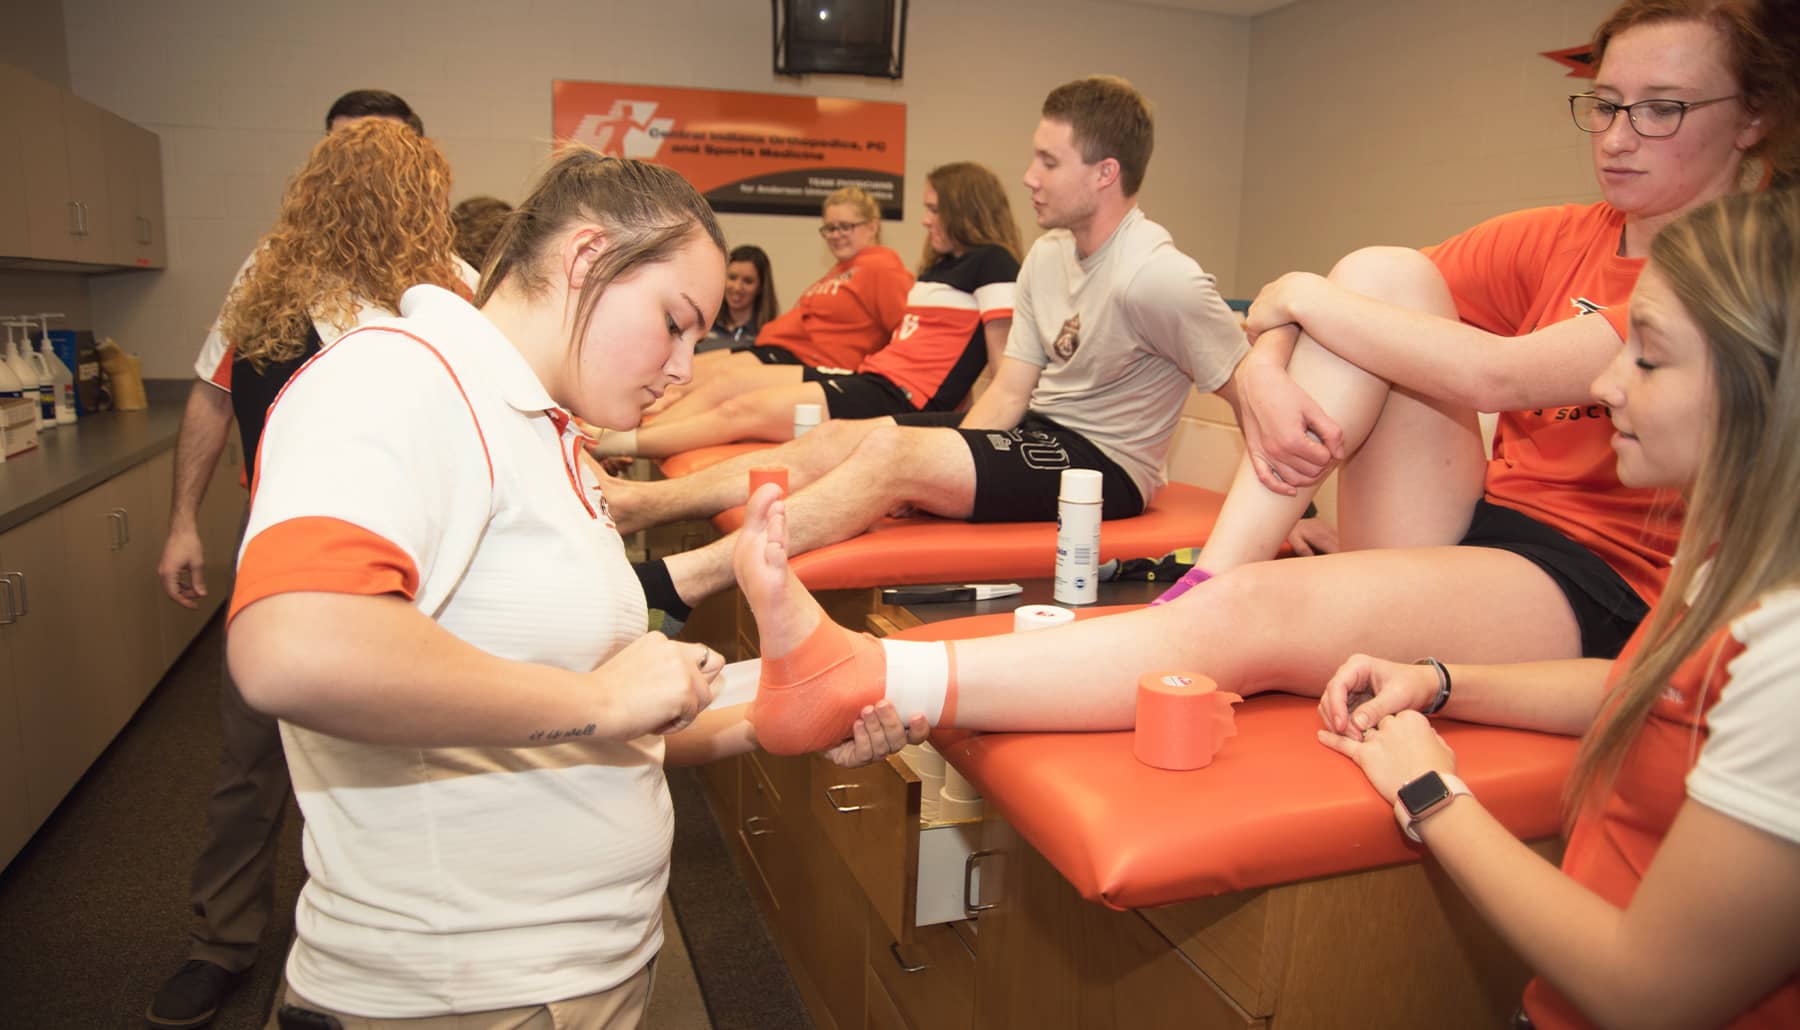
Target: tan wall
x=1393, y=122
x=237, y=91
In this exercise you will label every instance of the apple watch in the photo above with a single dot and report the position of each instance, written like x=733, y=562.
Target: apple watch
x=1423, y=796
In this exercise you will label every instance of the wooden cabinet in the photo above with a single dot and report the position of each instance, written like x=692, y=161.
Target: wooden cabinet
x=84, y=630
x=135, y=195
x=58, y=713
x=15, y=223
x=85, y=186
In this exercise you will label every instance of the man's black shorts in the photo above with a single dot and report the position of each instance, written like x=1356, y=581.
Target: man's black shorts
x=1018, y=471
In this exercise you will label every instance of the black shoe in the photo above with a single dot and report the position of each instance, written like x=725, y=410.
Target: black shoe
x=191, y=997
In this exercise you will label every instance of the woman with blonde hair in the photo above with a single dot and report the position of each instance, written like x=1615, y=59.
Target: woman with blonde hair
x=1685, y=850
x=848, y=314
x=434, y=601
x=957, y=316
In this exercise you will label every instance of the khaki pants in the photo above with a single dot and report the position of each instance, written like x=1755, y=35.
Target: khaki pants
x=621, y=1008
x=234, y=877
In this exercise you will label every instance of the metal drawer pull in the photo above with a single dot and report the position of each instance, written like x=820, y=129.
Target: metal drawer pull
x=969, y=865
x=21, y=604
x=840, y=806
x=117, y=515
x=8, y=615
x=894, y=949
x=750, y=827
x=125, y=519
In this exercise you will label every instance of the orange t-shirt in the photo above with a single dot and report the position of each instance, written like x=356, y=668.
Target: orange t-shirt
x=1516, y=274
x=1612, y=845
x=847, y=315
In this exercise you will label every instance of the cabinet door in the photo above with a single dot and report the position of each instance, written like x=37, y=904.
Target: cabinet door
x=53, y=219
x=134, y=190
x=109, y=571
x=15, y=807
x=57, y=709
x=87, y=128
x=15, y=223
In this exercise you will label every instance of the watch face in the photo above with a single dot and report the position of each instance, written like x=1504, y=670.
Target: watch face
x=1421, y=794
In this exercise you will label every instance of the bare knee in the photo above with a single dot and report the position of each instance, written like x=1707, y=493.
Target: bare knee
x=1399, y=275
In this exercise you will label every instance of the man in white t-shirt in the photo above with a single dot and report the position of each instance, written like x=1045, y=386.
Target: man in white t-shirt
x=1111, y=327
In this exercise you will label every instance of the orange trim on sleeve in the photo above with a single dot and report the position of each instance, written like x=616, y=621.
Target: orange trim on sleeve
x=221, y=376
x=991, y=314
x=318, y=554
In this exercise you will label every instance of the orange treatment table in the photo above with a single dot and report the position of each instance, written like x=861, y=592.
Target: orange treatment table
x=926, y=549
x=1274, y=807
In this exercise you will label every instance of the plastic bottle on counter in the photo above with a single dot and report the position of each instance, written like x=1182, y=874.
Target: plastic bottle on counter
x=63, y=382
x=45, y=384
x=21, y=369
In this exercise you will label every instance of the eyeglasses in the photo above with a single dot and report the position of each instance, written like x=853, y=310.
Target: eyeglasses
x=829, y=228
x=1652, y=119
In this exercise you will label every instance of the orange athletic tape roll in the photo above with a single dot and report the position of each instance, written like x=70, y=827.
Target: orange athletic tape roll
x=776, y=474
x=1183, y=720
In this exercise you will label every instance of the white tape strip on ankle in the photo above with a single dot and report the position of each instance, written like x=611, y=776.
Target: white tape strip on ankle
x=918, y=677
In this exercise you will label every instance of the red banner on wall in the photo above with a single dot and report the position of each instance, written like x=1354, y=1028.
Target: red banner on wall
x=761, y=153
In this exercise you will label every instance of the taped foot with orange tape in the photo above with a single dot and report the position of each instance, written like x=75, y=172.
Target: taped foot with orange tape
x=818, y=676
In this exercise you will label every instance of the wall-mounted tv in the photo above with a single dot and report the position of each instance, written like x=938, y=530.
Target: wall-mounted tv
x=840, y=37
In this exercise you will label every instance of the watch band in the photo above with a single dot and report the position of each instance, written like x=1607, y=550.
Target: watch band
x=1454, y=788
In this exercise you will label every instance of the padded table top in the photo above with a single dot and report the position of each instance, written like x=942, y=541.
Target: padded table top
x=1274, y=807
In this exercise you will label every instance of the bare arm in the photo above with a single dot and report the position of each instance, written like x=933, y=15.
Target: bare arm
x=205, y=425
x=1003, y=404
x=1442, y=357
x=375, y=669
x=995, y=333
x=1720, y=902
x=1551, y=697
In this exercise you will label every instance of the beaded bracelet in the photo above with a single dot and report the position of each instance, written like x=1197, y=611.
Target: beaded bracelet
x=1443, y=694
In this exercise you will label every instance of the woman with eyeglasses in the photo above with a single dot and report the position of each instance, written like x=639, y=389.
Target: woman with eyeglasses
x=1542, y=553
x=840, y=320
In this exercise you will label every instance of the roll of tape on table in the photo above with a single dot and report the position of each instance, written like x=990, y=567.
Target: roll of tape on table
x=1183, y=719
x=777, y=474
x=1039, y=616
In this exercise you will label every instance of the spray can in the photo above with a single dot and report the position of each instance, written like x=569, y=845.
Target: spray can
x=1078, y=537
x=46, y=386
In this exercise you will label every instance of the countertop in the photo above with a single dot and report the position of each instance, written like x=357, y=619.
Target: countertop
x=70, y=460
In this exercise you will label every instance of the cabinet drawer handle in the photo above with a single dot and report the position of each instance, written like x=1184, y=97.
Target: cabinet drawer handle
x=74, y=219
x=969, y=865
x=125, y=520
x=144, y=230
x=8, y=614
x=118, y=529
x=894, y=950
x=21, y=603
x=839, y=806
x=750, y=828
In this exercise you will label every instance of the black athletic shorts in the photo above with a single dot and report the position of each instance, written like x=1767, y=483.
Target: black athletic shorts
x=858, y=394
x=1606, y=608
x=771, y=355
x=1018, y=471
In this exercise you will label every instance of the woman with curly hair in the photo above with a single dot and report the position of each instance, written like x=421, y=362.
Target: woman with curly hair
x=365, y=218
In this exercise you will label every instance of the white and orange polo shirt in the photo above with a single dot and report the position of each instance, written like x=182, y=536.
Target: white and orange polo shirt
x=421, y=456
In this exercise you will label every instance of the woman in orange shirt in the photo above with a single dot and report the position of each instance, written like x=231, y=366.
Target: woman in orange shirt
x=843, y=318
x=1679, y=894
